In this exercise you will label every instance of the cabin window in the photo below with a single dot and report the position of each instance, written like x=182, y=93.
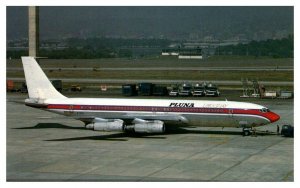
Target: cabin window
x=264, y=110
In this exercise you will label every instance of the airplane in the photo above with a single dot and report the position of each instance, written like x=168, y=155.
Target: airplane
x=141, y=115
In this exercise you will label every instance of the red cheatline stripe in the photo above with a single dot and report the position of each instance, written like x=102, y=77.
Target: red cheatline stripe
x=157, y=109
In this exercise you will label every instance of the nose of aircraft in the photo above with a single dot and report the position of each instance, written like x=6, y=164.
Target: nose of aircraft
x=273, y=116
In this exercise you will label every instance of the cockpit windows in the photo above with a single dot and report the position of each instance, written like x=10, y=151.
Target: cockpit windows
x=264, y=110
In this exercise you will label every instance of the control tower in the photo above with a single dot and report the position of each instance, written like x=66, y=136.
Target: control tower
x=33, y=30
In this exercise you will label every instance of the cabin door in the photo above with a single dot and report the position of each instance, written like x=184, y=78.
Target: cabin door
x=230, y=112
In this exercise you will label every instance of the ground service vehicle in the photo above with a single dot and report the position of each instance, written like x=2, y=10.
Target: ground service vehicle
x=199, y=90
x=212, y=90
x=160, y=90
x=129, y=90
x=10, y=86
x=287, y=130
x=145, y=89
x=75, y=88
x=186, y=90
x=174, y=91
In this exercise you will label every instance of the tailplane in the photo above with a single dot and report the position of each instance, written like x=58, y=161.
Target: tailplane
x=38, y=85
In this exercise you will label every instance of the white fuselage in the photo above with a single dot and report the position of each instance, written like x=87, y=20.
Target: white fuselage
x=184, y=112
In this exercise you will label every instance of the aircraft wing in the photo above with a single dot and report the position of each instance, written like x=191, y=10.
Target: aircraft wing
x=130, y=117
x=158, y=116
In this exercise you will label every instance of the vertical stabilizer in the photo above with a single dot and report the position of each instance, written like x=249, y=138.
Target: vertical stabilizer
x=38, y=85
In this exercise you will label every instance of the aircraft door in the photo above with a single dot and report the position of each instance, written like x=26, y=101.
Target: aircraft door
x=71, y=108
x=233, y=120
x=70, y=111
x=154, y=110
x=230, y=112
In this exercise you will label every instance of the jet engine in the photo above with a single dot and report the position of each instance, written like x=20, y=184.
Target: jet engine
x=143, y=126
x=106, y=125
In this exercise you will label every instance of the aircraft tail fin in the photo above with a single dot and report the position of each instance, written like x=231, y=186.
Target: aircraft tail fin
x=38, y=85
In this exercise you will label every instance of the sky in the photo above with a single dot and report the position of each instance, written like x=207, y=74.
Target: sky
x=176, y=22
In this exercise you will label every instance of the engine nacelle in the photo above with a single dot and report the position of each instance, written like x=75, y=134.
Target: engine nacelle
x=155, y=126
x=114, y=125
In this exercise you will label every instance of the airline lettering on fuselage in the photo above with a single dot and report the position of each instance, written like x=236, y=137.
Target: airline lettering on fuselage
x=185, y=105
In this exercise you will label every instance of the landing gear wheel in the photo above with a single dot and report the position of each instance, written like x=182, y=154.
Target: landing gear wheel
x=246, y=132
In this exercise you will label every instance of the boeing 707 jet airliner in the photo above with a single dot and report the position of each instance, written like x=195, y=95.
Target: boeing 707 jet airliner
x=141, y=115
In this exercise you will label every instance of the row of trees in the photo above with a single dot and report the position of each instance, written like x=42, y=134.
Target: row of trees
x=74, y=53
x=92, y=48
x=279, y=48
x=96, y=42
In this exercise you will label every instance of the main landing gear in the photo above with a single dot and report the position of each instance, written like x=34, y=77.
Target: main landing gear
x=249, y=131
x=246, y=132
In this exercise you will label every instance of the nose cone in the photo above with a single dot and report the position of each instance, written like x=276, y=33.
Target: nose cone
x=273, y=116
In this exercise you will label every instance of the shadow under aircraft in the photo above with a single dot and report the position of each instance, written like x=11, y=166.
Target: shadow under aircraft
x=124, y=136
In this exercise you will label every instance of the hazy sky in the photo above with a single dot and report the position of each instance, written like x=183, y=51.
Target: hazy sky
x=167, y=22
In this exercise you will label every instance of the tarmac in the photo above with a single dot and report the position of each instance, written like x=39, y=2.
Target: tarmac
x=42, y=146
